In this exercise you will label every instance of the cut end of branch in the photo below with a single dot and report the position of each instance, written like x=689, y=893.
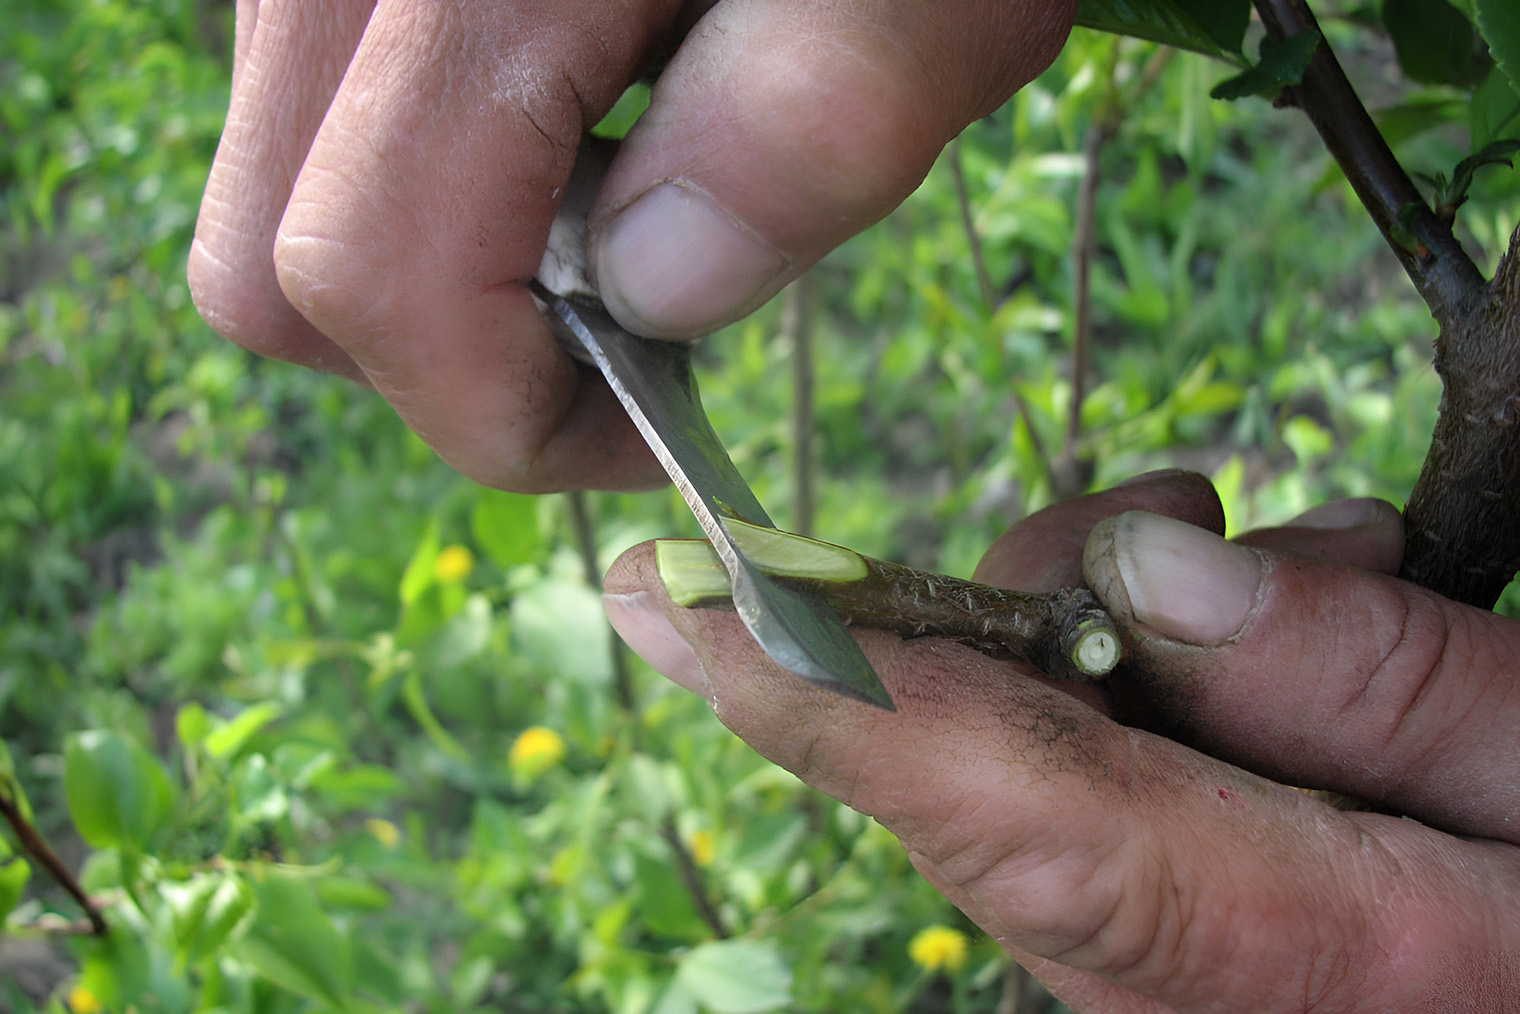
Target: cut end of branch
x=1096, y=651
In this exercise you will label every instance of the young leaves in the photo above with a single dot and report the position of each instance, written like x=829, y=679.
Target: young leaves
x=1449, y=195
x=1282, y=63
x=116, y=791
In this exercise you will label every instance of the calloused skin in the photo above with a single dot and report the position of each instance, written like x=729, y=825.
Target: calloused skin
x=1135, y=870
x=389, y=171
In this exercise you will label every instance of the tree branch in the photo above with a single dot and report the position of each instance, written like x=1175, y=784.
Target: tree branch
x=37, y=847
x=798, y=319
x=1072, y=474
x=691, y=879
x=585, y=545
x=991, y=300
x=1444, y=275
x=968, y=225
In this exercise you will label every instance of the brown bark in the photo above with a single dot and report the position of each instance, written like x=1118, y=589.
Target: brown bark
x=37, y=847
x=1043, y=629
x=1463, y=518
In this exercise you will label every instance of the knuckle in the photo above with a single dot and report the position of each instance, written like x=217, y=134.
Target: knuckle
x=1405, y=699
x=335, y=271
x=240, y=302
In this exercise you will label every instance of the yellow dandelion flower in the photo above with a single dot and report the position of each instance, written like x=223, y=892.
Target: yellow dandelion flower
x=701, y=846
x=453, y=564
x=537, y=750
x=385, y=832
x=938, y=947
x=82, y=1001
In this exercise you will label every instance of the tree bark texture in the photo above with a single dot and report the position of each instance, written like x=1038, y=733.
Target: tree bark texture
x=1463, y=518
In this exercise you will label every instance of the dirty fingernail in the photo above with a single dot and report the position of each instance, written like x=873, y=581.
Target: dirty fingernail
x=1184, y=582
x=638, y=620
x=673, y=264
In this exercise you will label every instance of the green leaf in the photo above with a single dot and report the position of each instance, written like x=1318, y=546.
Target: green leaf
x=559, y=626
x=664, y=904
x=10, y=785
x=227, y=739
x=465, y=635
x=206, y=909
x=1282, y=63
x=191, y=724
x=415, y=699
x=116, y=792
x=1495, y=153
x=293, y=943
x=1411, y=118
x=418, y=576
x=1211, y=27
x=737, y=976
x=1307, y=439
x=1434, y=42
x=505, y=526
x=675, y=999
x=352, y=893
x=13, y=877
x=1495, y=110
x=356, y=787
x=1499, y=22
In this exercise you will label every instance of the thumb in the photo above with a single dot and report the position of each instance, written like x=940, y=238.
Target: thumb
x=779, y=130
x=1319, y=674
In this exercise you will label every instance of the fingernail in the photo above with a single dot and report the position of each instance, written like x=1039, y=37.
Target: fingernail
x=638, y=620
x=1186, y=583
x=1346, y=514
x=673, y=264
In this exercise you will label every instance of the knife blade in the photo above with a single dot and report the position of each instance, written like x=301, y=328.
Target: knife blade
x=655, y=384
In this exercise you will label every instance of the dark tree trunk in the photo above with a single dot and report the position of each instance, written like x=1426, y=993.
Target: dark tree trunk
x=1463, y=518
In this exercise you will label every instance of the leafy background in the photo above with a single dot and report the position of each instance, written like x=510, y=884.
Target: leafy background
x=327, y=728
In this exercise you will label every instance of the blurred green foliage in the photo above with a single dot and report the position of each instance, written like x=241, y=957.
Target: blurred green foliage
x=329, y=728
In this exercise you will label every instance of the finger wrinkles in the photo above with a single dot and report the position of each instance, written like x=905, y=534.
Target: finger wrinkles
x=294, y=57
x=443, y=155
x=1397, y=708
x=1425, y=722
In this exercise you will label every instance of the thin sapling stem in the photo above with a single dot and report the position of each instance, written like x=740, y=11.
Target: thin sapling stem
x=1066, y=633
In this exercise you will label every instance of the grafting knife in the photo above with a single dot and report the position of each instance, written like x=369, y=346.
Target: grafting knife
x=655, y=383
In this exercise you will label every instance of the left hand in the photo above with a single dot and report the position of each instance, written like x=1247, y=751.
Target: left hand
x=1128, y=871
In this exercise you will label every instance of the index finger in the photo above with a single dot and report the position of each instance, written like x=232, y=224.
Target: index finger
x=425, y=201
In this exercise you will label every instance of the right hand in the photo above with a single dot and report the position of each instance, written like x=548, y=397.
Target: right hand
x=389, y=171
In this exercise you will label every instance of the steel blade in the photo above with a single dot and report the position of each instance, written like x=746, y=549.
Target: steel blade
x=655, y=383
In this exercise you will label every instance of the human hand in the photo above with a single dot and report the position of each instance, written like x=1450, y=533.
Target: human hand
x=1128, y=871
x=389, y=172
